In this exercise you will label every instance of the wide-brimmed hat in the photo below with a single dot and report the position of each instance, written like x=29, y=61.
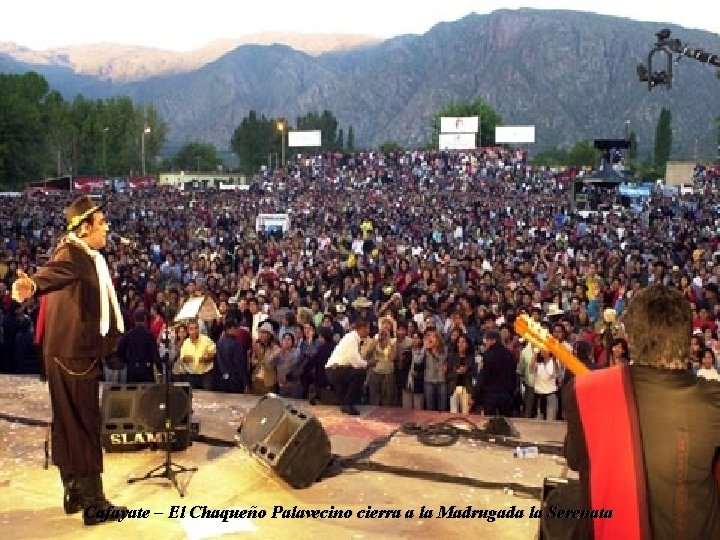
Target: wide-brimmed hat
x=79, y=210
x=266, y=327
x=554, y=310
x=361, y=302
x=392, y=321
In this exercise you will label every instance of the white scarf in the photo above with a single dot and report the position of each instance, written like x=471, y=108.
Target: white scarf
x=107, y=289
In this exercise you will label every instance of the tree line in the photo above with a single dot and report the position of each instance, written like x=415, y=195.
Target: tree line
x=258, y=139
x=43, y=135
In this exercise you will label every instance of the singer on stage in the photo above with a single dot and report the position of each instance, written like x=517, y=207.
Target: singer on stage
x=82, y=325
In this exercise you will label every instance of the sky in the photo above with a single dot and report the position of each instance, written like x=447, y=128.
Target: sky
x=185, y=25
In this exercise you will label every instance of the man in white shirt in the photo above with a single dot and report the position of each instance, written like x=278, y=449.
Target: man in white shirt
x=346, y=367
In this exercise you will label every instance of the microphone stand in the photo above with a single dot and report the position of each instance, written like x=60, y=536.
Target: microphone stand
x=168, y=469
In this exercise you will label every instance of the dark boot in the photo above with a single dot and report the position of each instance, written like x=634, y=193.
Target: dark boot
x=96, y=508
x=72, y=499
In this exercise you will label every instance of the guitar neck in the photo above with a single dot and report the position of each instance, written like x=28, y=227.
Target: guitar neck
x=542, y=339
x=565, y=356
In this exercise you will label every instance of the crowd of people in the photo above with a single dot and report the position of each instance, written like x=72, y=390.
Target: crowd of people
x=406, y=270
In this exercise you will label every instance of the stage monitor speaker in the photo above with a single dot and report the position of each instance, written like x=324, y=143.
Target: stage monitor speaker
x=562, y=493
x=286, y=439
x=133, y=416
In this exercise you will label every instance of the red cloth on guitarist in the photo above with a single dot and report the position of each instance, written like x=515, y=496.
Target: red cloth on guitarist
x=40, y=324
x=617, y=476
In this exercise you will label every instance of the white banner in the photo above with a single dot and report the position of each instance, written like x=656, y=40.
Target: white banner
x=457, y=141
x=452, y=124
x=271, y=222
x=304, y=138
x=514, y=134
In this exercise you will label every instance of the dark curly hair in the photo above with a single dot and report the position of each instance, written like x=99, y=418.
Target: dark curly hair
x=658, y=323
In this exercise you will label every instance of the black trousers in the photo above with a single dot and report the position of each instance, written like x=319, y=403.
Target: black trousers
x=76, y=416
x=347, y=382
x=203, y=381
x=140, y=373
x=497, y=404
x=229, y=382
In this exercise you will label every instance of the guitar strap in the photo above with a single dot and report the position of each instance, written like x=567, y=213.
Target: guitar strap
x=608, y=412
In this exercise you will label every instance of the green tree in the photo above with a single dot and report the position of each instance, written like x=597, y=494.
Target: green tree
x=550, y=158
x=154, y=140
x=645, y=171
x=663, y=139
x=196, y=154
x=350, y=145
x=489, y=118
x=340, y=140
x=390, y=146
x=123, y=139
x=129, y=127
x=43, y=135
x=583, y=154
x=60, y=132
x=326, y=123
x=86, y=143
x=23, y=136
x=632, y=152
x=255, y=138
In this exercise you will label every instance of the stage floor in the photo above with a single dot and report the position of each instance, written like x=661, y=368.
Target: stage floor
x=230, y=478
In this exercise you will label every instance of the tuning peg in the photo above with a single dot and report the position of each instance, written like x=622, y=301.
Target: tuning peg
x=535, y=342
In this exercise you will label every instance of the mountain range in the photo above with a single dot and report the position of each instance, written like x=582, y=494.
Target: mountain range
x=571, y=74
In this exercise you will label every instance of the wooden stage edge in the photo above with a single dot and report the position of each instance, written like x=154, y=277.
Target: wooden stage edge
x=232, y=495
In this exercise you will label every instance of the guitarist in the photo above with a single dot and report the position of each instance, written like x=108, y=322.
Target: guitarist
x=643, y=437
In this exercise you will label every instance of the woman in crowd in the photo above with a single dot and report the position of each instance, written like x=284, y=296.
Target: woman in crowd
x=619, y=352
x=176, y=339
x=414, y=390
x=307, y=347
x=287, y=364
x=434, y=361
x=452, y=342
x=708, y=368
x=156, y=323
x=697, y=345
x=381, y=370
x=546, y=369
x=459, y=382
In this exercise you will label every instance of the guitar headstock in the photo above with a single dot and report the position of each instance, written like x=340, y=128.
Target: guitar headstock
x=532, y=331
x=543, y=340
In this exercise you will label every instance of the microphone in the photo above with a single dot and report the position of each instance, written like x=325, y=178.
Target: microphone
x=121, y=240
